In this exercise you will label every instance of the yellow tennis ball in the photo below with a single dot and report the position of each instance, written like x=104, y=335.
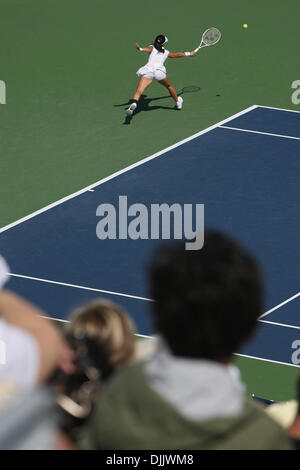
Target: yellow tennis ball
x=245, y=25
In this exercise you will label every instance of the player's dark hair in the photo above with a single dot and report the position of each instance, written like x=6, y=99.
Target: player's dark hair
x=206, y=301
x=159, y=41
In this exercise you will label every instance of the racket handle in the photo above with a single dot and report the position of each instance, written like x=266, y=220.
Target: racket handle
x=197, y=49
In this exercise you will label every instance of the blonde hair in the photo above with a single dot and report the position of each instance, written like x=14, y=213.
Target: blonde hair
x=108, y=324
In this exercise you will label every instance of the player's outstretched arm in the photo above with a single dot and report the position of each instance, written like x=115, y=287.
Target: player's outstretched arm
x=143, y=49
x=53, y=350
x=181, y=54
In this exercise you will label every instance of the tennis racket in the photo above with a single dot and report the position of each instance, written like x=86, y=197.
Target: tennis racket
x=210, y=37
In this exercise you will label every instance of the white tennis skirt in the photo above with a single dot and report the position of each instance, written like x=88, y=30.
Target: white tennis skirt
x=153, y=74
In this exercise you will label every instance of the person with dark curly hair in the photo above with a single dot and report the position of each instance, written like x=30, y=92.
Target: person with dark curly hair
x=188, y=394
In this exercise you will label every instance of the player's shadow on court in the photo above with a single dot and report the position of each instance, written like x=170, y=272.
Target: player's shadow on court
x=144, y=102
x=144, y=105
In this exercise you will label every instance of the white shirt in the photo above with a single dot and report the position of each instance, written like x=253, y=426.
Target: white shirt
x=157, y=59
x=199, y=389
x=19, y=356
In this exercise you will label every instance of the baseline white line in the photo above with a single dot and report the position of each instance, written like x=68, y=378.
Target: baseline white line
x=151, y=337
x=144, y=336
x=259, y=132
x=266, y=360
x=279, y=305
x=124, y=170
x=120, y=294
x=68, y=321
x=279, y=324
x=279, y=109
x=235, y=354
x=55, y=319
x=65, y=284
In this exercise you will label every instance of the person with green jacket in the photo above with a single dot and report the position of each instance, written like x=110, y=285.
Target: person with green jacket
x=188, y=394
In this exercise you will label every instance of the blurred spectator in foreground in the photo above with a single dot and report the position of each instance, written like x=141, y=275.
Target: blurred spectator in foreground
x=33, y=346
x=284, y=413
x=294, y=431
x=102, y=338
x=31, y=349
x=188, y=395
x=29, y=421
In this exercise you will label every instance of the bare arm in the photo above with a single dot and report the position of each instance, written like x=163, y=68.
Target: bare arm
x=180, y=54
x=53, y=351
x=143, y=49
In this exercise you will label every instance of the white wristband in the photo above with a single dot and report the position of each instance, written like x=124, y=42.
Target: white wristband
x=187, y=53
x=141, y=48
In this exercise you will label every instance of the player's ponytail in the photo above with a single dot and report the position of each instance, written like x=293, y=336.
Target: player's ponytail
x=159, y=41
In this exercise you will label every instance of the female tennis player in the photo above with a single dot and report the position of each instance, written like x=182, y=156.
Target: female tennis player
x=155, y=70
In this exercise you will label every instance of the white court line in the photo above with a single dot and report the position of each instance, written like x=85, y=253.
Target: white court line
x=120, y=294
x=279, y=324
x=142, y=298
x=68, y=321
x=235, y=354
x=259, y=132
x=279, y=109
x=279, y=305
x=114, y=175
x=124, y=170
x=266, y=360
x=65, y=284
x=144, y=336
x=55, y=319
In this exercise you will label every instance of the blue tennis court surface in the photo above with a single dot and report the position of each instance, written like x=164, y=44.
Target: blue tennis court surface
x=245, y=171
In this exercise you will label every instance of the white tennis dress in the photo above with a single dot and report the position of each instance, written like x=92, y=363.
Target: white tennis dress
x=154, y=69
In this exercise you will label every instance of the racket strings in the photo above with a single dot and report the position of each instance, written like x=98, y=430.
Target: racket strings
x=211, y=36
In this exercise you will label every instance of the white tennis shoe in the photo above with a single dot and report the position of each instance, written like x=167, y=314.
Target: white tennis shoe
x=131, y=109
x=179, y=102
